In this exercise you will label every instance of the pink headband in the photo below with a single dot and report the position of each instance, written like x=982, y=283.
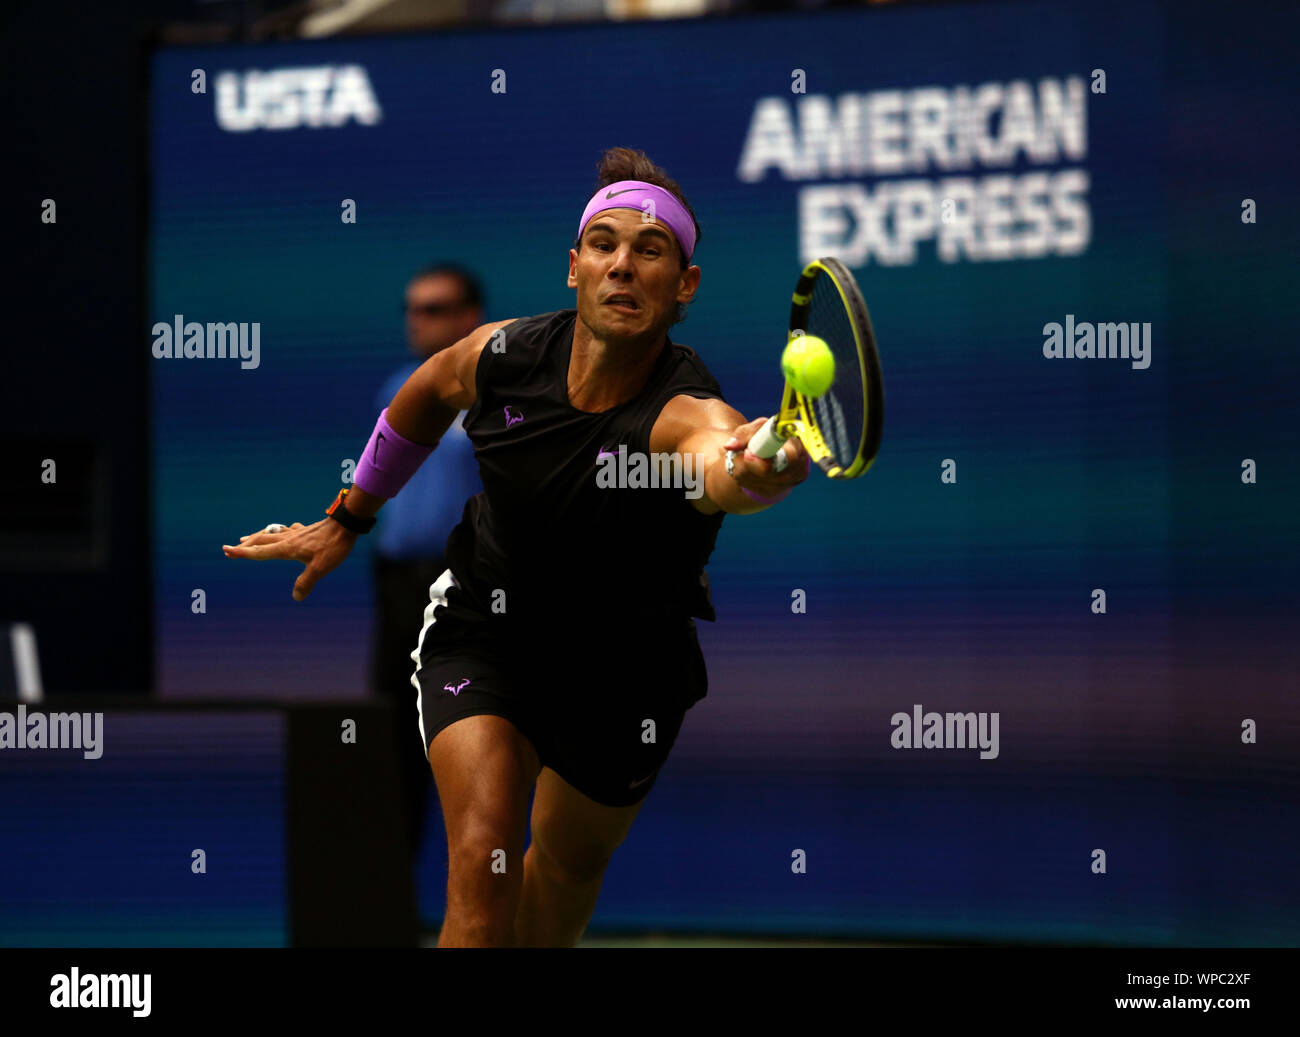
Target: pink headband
x=633, y=194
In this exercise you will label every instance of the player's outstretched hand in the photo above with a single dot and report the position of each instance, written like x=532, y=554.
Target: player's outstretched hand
x=322, y=546
x=759, y=475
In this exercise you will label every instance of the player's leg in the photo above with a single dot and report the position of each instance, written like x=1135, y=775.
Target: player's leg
x=603, y=750
x=484, y=769
x=573, y=838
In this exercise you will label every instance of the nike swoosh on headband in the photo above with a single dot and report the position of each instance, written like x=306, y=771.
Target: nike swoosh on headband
x=627, y=190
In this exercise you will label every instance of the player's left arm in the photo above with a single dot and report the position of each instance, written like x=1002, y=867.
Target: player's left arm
x=708, y=429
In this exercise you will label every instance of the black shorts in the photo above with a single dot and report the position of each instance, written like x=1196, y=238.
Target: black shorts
x=601, y=701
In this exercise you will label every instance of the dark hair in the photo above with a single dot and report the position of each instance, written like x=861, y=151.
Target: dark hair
x=471, y=288
x=629, y=164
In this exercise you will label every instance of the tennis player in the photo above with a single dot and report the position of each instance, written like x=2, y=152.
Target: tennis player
x=559, y=651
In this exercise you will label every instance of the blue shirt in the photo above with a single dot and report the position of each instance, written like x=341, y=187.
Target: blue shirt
x=415, y=523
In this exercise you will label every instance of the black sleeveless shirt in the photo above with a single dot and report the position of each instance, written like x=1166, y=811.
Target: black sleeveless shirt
x=543, y=531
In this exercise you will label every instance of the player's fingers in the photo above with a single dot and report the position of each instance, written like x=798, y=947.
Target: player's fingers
x=271, y=530
x=304, y=584
x=743, y=434
x=745, y=467
x=795, y=468
x=249, y=549
x=763, y=473
x=800, y=464
x=260, y=546
x=797, y=457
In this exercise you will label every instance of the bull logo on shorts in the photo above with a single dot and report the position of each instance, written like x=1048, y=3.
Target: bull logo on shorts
x=512, y=419
x=456, y=688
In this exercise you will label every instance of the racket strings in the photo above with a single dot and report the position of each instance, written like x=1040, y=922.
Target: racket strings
x=838, y=412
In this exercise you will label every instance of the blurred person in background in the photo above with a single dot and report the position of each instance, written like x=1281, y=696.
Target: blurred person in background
x=444, y=303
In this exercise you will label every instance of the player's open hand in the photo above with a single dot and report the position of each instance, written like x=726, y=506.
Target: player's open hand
x=322, y=546
x=759, y=475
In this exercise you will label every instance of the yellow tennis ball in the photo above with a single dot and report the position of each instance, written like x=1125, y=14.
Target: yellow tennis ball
x=808, y=365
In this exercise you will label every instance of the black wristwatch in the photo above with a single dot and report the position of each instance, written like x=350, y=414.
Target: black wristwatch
x=345, y=518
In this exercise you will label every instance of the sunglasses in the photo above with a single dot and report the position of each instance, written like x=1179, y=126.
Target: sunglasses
x=434, y=309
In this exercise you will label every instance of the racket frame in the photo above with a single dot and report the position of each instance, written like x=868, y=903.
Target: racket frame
x=796, y=416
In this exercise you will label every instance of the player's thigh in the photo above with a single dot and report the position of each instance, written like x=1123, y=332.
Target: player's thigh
x=484, y=769
x=575, y=834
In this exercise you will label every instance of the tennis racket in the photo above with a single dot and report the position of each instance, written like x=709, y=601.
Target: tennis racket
x=841, y=428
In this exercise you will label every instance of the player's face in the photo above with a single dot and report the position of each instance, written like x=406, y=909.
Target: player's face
x=629, y=276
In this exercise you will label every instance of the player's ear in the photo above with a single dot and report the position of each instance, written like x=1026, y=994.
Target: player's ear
x=573, y=268
x=690, y=284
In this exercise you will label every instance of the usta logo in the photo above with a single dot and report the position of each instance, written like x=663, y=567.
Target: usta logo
x=287, y=98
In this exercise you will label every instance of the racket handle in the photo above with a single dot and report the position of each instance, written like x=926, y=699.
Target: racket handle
x=766, y=442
